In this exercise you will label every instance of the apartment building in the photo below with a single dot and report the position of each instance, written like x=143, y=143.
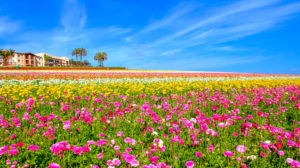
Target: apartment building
x=54, y=61
x=33, y=60
x=22, y=59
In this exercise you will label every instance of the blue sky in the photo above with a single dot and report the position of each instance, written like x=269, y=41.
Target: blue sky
x=257, y=36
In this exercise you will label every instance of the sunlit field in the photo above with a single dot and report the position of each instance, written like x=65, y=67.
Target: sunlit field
x=148, y=119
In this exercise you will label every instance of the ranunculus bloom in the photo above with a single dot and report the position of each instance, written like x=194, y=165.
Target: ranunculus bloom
x=3, y=150
x=54, y=165
x=100, y=156
x=33, y=147
x=154, y=159
x=189, y=164
x=116, y=162
x=290, y=143
x=241, y=149
x=280, y=153
x=228, y=153
x=198, y=154
x=289, y=160
x=13, y=152
x=134, y=163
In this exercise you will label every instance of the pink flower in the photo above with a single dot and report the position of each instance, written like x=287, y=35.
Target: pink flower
x=262, y=154
x=91, y=142
x=33, y=147
x=241, y=149
x=189, y=164
x=13, y=152
x=101, y=142
x=215, y=108
x=243, y=165
x=116, y=162
x=54, y=165
x=289, y=160
x=228, y=153
x=109, y=163
x=129, y=158
x=280, y=153
x=198, y=154
x=211, y=148
x=154, y=159
x=295, y=163
x=220, y=125
x=3, y=150
x=134, y=163
x=100, y=156
x=290, y=143
x=116, y=148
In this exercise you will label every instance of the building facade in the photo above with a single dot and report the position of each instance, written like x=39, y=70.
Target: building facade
x=33, y=60
x=54, y=61
x=21, y=59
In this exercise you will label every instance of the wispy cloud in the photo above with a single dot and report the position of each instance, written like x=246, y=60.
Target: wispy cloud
x=8, y=27
x=73, y=15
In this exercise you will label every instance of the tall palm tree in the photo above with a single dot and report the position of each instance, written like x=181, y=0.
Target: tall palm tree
x=76, y=52
x=103, y=57
x=71, y=62
x=5, y=54
x=98, y=57
x=82, y=52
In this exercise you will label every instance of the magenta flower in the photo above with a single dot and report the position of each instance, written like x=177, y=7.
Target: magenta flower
x=241, y=149
x=280, y=153
x=33, y=147
x=134, y=163
x=54, y=165
x=290, y=143
x=3, y=150
x=13, y=152
x=100, y=156
x=116, y=162
x=154, y=159
x=198, y=154
x=189, y=164
x=228, y=153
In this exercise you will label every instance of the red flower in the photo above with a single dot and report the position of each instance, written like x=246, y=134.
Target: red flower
x=278, y=145
x=20, y=144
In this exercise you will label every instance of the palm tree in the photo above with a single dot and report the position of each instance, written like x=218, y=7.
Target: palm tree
x=5, y=54
x=97, y=57
x=76, y=52
x=103, y=57
x=86, y=63
x=47, y=58
x=71, y=62
x=82, y=52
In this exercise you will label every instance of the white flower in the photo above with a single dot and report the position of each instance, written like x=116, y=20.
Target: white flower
x=252, y=157
x=128, y=121
x=160, y=143
x=154, y=133
x=267, y=142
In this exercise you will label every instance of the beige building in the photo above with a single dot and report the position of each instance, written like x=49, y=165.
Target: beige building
x=22, y=59
x=33, y=60
x=55, y=61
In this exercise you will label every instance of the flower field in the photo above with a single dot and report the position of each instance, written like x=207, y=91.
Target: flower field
x=148, y=119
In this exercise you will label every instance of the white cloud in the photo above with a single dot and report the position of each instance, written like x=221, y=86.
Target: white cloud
x=73, y=15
